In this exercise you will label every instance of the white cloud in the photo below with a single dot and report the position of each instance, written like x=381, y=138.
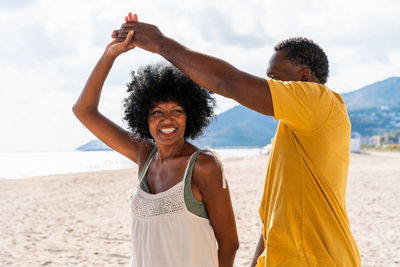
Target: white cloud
x=11, y=4
x=48, y=49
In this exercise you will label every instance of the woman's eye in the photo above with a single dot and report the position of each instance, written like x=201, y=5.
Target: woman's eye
x=156, y=112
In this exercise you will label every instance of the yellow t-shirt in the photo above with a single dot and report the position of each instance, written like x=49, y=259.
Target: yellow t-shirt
x=303, y=207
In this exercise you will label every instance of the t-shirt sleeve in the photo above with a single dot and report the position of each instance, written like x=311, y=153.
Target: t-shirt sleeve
x=303, y=106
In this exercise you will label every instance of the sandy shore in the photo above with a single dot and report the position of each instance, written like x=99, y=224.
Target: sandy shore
x=84, y=219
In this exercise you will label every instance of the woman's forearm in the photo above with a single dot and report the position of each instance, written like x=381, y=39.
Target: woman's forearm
x=226, y=256
x=89, y=99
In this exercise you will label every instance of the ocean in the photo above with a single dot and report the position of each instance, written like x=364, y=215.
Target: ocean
x=28, y=164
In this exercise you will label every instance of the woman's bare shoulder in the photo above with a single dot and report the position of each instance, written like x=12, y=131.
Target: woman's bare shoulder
x=206, y=170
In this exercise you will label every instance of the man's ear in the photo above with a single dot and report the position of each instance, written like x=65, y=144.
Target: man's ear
x=305, y=75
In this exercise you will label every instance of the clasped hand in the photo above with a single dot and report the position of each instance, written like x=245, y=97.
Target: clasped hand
x=134, y=33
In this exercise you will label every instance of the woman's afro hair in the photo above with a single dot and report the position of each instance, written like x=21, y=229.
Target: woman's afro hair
x=162, y=82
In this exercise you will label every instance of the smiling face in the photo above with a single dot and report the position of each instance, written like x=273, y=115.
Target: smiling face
x=167, y=122
x=280, y=68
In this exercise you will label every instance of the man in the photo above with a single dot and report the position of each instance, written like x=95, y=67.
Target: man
x=303, y=206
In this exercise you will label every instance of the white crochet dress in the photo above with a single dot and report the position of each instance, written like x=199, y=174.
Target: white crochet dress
x=165, y=233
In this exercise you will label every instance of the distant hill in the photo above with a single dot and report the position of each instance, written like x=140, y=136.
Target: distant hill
x=239, y=127
x=373, y=109
x=236, y=127
x=382, y=93
x=95, y=145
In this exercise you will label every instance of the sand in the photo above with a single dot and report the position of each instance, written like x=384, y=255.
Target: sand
x=84, y=219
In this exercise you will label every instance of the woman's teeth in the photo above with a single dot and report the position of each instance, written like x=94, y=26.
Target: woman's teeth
x=167, y=130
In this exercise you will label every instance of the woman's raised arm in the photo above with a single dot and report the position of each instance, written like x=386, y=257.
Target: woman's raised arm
x=86, y=107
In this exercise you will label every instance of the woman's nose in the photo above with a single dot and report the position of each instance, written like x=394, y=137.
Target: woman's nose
x=167, y=116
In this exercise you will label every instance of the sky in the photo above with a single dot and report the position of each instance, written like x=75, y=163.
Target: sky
x=48, y=49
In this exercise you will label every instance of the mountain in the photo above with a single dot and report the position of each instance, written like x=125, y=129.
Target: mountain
x=236, y=127
x=239, y=127
x=95, y=145
x=373, y=110
x=382, y=93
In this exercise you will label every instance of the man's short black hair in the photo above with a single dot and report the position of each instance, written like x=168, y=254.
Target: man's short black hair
x=303, y=51
x=162, y=82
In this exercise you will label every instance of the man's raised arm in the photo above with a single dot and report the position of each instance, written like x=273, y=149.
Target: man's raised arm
x=209, y=72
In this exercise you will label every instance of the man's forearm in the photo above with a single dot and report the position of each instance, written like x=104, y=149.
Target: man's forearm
x=209, y=72
x=219, y=76
x=259, y=250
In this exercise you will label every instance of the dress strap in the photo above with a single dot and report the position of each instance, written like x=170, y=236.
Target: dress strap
x=190, y=164
x=147, y=164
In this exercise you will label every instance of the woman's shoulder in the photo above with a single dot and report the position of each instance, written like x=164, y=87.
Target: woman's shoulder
x=207, y=168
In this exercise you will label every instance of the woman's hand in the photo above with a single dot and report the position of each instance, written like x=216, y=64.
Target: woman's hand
x=115, y=48
x=131, y=18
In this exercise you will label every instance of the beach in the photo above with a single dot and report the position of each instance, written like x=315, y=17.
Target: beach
x=84, y=219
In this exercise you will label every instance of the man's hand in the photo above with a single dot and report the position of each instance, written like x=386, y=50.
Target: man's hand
x=147, y=36
x=116, y=33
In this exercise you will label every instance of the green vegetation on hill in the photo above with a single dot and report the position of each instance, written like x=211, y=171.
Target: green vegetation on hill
x=375, y=121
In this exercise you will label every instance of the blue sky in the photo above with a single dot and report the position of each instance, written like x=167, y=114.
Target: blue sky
x=48, y=49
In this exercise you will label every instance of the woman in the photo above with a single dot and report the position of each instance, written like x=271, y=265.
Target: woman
x=181, y=210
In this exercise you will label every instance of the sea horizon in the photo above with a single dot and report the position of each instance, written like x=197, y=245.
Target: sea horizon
x=20, y=165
